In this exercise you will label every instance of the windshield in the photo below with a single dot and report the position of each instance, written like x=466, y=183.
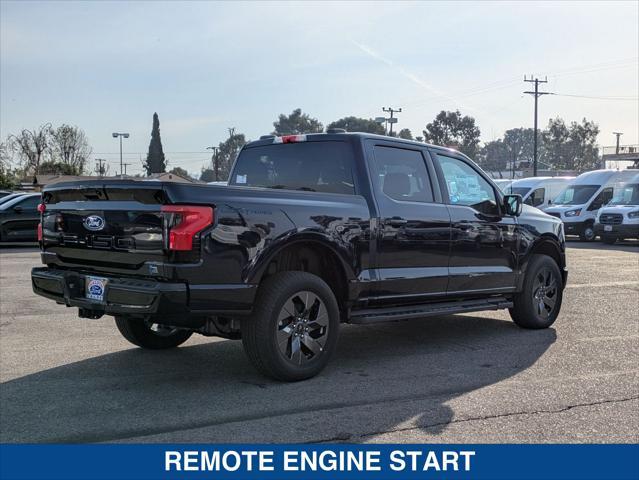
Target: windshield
x=576, y=195
x=626, y=195
x=309, y=166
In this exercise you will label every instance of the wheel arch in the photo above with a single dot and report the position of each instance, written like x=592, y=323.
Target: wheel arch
x=546, y=245
x=308, y=253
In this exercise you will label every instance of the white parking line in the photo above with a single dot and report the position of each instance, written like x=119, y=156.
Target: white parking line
x=607, y=284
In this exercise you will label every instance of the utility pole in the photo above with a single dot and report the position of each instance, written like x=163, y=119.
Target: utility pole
x=125, y=165
x=214, y=161
x=537, y=94
x=100, y=166
x=617, y=134
x=391, y=120
x=231, y=131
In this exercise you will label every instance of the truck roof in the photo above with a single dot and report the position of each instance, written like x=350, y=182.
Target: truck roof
x=310, y=137
x=602, y=177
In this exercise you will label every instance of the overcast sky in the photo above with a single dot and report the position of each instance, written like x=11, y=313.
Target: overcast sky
x=107, y=66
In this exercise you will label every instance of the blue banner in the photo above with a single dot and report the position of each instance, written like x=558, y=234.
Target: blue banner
x=308, y=462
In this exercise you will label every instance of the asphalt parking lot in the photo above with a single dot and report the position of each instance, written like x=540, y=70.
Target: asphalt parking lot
x=464, y=378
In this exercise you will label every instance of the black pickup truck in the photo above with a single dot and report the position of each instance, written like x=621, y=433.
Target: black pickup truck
x=311, y=231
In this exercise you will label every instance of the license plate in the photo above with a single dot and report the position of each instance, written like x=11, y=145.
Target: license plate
x=607, y=228
x=95, y=287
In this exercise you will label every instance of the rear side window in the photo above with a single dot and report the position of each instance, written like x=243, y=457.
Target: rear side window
x=402, y=174
x=309, y=166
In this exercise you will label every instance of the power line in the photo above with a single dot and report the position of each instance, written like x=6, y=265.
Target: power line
x=536, y=94
x=596, y=97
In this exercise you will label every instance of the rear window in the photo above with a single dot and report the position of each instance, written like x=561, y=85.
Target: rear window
x=310, y=166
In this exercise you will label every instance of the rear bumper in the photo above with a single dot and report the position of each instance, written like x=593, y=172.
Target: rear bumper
x=133, y=296
x=619, y=230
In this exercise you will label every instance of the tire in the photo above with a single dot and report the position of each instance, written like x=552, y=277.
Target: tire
x=293, y=330
x=588, y=233
x=140, y=333
x=608, y=239
x=539, y=302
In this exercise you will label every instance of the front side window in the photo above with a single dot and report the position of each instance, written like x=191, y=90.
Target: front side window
x=402, y=174
x=467, y=187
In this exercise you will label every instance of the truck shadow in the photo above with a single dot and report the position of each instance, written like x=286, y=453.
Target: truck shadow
x=211, y=387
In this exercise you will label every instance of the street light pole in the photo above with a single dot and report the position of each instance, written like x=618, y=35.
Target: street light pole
x=121, y=135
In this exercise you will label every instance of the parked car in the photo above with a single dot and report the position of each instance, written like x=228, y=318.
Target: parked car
x=6, y=198
x=539, y=191
x=619, y=219
x=578, y=204
x=312, y=231
x=19, y=218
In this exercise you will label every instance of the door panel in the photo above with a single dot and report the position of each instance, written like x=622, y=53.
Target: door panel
x=414, y=230
x=483, y=242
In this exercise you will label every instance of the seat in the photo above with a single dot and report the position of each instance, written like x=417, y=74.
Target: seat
x=396, y=185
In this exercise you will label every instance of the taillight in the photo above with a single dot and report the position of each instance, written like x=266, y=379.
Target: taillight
x=184, y=222
x=290, y=139
x=39, y=232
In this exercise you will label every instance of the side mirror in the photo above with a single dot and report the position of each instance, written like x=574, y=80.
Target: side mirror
x=17, y=209
x=513, y=205
x=549, y=202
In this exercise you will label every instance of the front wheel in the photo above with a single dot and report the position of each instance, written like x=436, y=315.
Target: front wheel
x=588, y=234
x=538, y=304
x=151, y=335
x=293, y=330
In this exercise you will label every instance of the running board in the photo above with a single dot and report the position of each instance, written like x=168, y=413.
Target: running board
x=374, y=315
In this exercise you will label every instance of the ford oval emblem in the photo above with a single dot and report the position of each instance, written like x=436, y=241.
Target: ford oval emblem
x=94, y=223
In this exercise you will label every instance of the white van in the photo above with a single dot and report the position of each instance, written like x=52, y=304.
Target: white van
x=502, y=183
x=578, y=204
x=539, y=191
x=620, y=218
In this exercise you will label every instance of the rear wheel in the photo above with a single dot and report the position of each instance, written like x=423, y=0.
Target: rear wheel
x=609, y=239
x=293, y=330
x=151, y=335
x=539, y=302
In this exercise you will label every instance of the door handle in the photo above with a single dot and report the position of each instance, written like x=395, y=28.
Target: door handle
x=396, y=222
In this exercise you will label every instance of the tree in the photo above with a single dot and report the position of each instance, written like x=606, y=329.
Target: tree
x=357, y=124
x=155, y=161
x=69, y=147
x=296, y=123
x=31, y=146
x=520, y=145
x=7, y=179
x=450, y=129
x=227, y=153
x=207, y=175
x=405, y=134
x=180, y=171
x=51, y=167
x=570, y=148
x=494, y=156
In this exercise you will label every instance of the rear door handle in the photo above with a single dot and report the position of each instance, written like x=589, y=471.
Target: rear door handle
x=397, y=222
